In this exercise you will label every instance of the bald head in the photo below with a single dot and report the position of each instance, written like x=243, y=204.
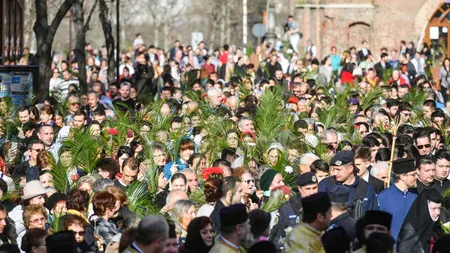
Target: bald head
x=173, y=197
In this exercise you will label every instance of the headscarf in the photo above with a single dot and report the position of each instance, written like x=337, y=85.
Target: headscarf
x=194, y=241
x=419, y=231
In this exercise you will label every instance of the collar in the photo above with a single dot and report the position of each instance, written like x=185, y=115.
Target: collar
x=418, y=180
x=228, y=243
x=366, y=177
x=313, y=229
x=134, y=246
x=353, y=185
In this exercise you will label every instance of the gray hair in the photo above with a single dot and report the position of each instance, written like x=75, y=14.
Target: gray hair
x=125, y=84
x=180, y=208
x=213, y=90
x=305, y=158
x=152, y=228
x=329, y=131
x=100, y=184
x=173, y=197
x=377, y=167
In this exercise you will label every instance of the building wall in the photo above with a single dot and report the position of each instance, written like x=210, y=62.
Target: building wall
x=345, y=23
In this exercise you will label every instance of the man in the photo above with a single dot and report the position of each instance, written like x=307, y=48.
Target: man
x=383, y=65
x=24, y=115
x=130, y=169
x=364, y=52
x=151, y=236
x=62, y=90
x=293, y=30
x=380, y=171
x=362, y=195
x=6, y=235
x=316, y=219
x=339, y=210
x=246, y=125
x=93, y=104
x=422, y=141
x=73, y=102
x=229, y=187
x=335, y=240
x=192, y=179
x=290, y=213
x=172, y=241
x=273, y=65
x=428, y=107
x=363, y=156
x=419, y=64
x=103, y=99
x=215, y=97
x=107, y=168
x=226, y=71
x=46, y=135
x=305, y=162
x=34, y=147
x=113, y=91
x=125, y=103
x=441, y=183
x=398, y=198
x=171, y=198
x=233, y=230
x=394, y=62
x=330, y=138
x=335, y=59
x=375, y=222
x=311, y=48
x=426, y=171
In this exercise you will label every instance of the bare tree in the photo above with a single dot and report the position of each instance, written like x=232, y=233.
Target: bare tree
x=45, y=34
x=105, y=19
x=163, y=14
x=81, y=28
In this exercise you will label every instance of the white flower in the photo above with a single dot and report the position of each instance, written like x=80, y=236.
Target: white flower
x=288, y=230
x=289, y=169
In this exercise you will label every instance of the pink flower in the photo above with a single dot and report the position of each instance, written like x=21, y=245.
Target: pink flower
x=113, y=131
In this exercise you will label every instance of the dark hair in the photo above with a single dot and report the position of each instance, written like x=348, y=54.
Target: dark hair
x=430, y=103
x=109, y=165
x=178, y=175
x=421, y=133
x=212, y=189
x=362, y=152
x=405, y=129
x=442, y=154
x=124, y=150
x=78, y=200
x=259, y=222
x=424, y=160
x=383, y=155
x=128, y=236
x=370, y=141
x=319, y=165
x=380, y=243
x=70, y=219
x=228, y=183
x=311, y=216
x=103, y=200
x=34, y=237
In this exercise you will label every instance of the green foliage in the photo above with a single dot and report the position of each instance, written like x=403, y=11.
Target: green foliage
x=85, y=149
x=59, y=174
x=276, y=199
x=416, y=97
x=141, y=199
x=370, y=98
x=198, y=197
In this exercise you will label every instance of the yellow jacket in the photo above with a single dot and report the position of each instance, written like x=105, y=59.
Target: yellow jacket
x=223, y=247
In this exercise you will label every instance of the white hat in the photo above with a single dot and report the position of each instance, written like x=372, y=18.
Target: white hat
x=32, y=189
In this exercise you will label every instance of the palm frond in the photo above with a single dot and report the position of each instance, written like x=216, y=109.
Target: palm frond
x=59, y=174
x=141, y=200
x=85, y=150
x=369, y=98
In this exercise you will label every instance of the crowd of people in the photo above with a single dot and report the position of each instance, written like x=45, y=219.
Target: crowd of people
x=210, y=150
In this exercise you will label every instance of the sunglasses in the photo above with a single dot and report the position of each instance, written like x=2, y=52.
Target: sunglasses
x=422, y=146
x=80, y=233
x=249, y=181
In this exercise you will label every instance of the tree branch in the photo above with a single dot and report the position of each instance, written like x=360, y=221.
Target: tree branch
x=88, y=20
x=62, y=11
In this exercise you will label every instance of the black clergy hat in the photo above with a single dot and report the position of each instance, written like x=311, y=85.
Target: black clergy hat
x=316, y=203
x=233, y=215
x=306, y=179
x=442, y=245
x=342, y=158
x=403, y=165
x=336, y=240
x=378, y=217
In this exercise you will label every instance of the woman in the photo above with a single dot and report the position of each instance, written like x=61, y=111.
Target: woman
x=212, y=194
x=46, y=115
x=183, y=214
x=95, y=129
x=200, y=236
x=187, y=148
x=33, y=194
x=244, y=176
x=58, y=118
x=34, y=241
x=125, y=218
x=274, y=152
x=78, y=226
x=105, y=207
x=34, y=216
x=422, y=226
x=444, y=78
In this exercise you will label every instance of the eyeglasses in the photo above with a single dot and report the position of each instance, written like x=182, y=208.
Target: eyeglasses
x=159, y=156
x=249, y=181
x=422, y=146
x=80, y=233
x=37, y=150
x=42, y=219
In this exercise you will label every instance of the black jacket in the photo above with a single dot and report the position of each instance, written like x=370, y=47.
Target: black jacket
x=348, y=223
x=376, y=183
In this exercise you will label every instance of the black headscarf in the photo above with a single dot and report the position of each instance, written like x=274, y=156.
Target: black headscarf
x=194, y=241
x=419, y=231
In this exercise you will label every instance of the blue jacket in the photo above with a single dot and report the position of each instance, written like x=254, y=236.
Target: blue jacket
x=370, y=201
x=181, y=167
x=397, y=203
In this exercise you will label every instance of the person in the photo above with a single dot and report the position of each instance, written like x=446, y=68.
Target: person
x=152, y=233
x=362, y=162
x=293, y=30
x=183, y=213
x=362, y=195
x=34, y=241
x=172, y=241
x=269, y=180
x=125, y=103
x=373, y=221
x=78, y=225
x=290, y=213
x=398, y=198
x=316, y=219
x=426, y=172
x=105, y=207
x=34, y=216
x=259, y=225
x=339, y=210
x=444, y=78
x=200, y=236
x=186, y=149
x=421, y=226
x=336, y=240
x=380, y=243
x=234, y=227
x=130, y=170
x=263, y=246
x=441, y=183
x=63, y=241
x=227, y=187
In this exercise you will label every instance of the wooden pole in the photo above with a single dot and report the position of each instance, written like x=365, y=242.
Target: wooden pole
x=394, y=138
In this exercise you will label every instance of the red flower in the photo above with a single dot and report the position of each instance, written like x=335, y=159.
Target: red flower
x=113, y=131
x=75, y=177
x=211, y=171
x=356, y=126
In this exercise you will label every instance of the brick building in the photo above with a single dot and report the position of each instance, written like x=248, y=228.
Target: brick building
x=383, y=23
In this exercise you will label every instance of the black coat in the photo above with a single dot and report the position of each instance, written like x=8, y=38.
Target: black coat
x=348, y=223
x=376, y=183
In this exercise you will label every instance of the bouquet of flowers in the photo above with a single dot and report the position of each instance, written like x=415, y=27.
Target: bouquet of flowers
x=212, y=172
